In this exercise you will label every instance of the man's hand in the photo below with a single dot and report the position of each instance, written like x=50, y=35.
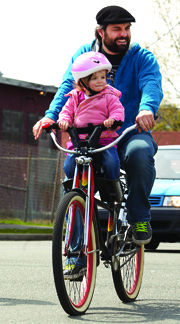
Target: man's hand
x=145, y=120
x=37, y=129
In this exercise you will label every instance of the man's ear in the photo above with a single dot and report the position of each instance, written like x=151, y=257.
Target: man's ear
x=100, y=32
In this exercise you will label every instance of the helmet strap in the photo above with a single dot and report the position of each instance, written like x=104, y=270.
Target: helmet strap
x=92, y=92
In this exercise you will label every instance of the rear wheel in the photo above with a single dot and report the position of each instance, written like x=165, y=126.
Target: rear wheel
x=74, y=294
x=127, y=270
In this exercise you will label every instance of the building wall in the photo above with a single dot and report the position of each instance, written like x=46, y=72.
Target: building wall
x=166, y=138
x=161, y=138
x=20, y=108
x=30, y=171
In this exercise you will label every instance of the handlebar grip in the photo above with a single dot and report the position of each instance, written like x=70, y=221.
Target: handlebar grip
x=48, y=127
x=116, y=124
x=94, y=139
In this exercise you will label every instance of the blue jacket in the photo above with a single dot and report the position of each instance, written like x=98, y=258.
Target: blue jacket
x=138, y=78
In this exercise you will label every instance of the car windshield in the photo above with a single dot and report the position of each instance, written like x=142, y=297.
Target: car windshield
x=167, y=164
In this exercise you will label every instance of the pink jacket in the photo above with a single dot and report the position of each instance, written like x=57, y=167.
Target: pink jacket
x=96, y=109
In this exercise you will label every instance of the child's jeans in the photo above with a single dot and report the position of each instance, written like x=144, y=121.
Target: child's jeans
x=110, y=164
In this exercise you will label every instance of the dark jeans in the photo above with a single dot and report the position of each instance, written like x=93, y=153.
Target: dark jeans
x=110, y=163
x=136, y=156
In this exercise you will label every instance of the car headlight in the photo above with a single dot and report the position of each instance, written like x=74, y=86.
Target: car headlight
x=172, y=201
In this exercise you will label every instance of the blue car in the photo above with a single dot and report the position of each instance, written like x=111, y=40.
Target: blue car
x=165, y=197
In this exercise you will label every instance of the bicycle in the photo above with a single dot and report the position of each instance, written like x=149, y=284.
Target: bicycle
x=118, y=250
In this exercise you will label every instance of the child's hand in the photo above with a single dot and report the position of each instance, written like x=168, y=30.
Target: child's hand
x=63, y=125
x=108, y=122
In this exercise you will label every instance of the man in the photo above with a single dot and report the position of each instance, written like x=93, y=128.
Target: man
x=136, y=74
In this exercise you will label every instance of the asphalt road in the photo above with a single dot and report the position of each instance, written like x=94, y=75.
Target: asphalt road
x=28, y=294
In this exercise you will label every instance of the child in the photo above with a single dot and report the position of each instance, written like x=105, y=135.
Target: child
x=93, y=101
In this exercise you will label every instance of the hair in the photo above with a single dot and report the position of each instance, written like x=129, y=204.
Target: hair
x=99, y=27
x=79, y=86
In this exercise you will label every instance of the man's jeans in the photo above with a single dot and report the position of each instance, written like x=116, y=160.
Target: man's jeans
x=136, y=158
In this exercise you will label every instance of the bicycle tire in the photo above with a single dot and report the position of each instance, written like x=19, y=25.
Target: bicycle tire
x=74, y=296
x=127, y=278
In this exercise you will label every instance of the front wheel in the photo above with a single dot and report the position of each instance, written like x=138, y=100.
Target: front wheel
x=127, y=270
x=74, y=293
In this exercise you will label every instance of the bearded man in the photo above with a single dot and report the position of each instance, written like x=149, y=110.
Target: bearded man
x=135, y=72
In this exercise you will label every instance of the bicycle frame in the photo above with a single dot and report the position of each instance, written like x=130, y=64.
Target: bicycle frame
x=88, y=188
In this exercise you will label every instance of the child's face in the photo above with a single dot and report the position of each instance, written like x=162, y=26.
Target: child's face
x=98, y=81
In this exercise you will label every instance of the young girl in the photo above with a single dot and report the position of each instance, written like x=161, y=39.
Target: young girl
x=93, y=101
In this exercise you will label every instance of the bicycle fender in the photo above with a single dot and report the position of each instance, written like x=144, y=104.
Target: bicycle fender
x=80, y=191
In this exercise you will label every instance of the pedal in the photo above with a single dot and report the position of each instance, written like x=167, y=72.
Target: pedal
x=104, y=257
x=107, y=264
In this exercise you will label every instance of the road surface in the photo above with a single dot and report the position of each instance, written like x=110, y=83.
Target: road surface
x=28, y=294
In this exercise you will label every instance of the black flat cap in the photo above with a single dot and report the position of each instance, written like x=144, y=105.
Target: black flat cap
x=113, y=15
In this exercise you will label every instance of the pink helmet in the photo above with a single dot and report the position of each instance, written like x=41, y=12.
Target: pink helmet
x=89, y=63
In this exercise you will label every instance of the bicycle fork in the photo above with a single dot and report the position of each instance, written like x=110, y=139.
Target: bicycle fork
x=88, y=188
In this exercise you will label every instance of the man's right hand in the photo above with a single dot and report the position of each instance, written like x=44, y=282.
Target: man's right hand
x=37, y=129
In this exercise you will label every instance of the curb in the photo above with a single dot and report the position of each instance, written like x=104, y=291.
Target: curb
x=24, y=236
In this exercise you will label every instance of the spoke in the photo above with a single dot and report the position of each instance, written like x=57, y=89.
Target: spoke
x=128, y=271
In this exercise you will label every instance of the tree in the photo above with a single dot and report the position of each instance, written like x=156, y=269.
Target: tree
x=167, y=47
x=168, y=119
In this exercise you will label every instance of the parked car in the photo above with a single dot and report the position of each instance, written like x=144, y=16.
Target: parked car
x=164, y=198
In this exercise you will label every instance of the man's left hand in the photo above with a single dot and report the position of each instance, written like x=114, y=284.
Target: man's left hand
x=145, y=120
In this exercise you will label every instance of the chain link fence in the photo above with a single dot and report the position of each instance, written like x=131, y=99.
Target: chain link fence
x=30, y=181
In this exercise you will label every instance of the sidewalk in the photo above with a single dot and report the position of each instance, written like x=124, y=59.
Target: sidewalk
x=24, y=237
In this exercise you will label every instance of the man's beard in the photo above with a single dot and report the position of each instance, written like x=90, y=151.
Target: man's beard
x=112, y=46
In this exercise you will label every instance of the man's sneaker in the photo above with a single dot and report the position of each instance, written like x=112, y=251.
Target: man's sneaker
x=141, y=233
x=74, y=273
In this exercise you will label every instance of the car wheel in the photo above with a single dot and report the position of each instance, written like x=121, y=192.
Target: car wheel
x=152, y=245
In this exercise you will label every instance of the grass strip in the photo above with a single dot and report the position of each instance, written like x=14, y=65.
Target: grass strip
x=17, y=221
x=26, y=231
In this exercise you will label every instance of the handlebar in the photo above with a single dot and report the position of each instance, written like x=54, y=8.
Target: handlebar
x=95, y=133
x=92, y=141
x=82, y=130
